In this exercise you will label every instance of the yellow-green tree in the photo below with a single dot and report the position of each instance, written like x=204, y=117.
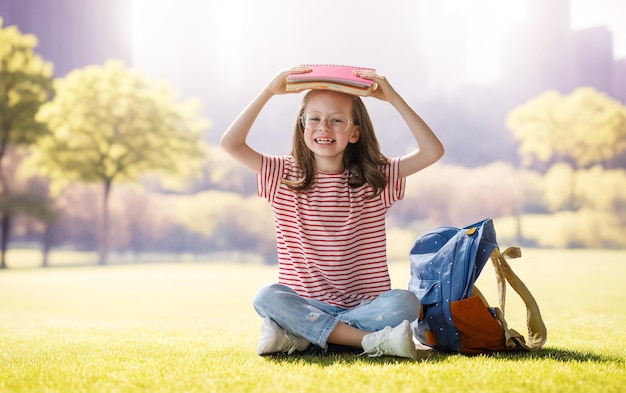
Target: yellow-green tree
x=582, y=129
x=25, y=84
x=111, y=124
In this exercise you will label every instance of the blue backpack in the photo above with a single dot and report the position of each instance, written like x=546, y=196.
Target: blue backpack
x=454, y=315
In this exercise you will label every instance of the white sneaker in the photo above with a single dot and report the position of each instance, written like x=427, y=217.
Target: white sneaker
x=391, y=342
x=275, y=339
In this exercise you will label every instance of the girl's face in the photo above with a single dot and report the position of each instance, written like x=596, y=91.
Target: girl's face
x=328, y=128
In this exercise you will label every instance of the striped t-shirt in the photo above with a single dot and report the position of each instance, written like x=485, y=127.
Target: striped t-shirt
x=331, y=239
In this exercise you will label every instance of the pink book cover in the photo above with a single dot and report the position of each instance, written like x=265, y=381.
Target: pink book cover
x=332, y=73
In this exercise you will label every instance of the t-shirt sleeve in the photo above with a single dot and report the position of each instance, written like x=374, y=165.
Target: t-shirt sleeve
x=270, y=177
x=394, y=191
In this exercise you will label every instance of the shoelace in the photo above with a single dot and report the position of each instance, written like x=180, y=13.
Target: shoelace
x=292, y=342
x=381, y=337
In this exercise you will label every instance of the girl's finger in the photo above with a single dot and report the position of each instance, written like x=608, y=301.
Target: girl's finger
x=368, y=75
x=299, y=70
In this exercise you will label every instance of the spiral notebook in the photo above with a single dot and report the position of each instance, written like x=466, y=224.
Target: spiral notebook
x=332, y=77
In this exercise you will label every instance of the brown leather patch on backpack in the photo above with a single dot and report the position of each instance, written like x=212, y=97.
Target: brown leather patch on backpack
x=479, y=331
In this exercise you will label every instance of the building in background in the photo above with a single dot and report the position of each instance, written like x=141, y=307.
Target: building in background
x=619, y=80
x=593, y=58
x=221, y=51
x=544, y=53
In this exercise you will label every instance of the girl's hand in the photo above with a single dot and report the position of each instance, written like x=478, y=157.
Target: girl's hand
x=383, y=91
x=429, y=148
x=279, y=83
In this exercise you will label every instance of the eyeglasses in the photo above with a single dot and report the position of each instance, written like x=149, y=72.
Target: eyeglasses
x=337, y=123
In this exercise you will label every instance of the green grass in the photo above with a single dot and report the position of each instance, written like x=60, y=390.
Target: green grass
x=190, y=327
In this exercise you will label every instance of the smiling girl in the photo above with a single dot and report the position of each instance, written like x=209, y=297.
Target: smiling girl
x=330, y=197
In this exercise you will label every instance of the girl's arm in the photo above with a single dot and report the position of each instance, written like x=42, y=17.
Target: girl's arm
x=429, y=148
x=234, y=139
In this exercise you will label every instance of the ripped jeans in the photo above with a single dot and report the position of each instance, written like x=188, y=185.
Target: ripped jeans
x=315, y=320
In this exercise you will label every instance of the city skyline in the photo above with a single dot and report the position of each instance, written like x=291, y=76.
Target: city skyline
x=462, y=37
x=224, y=52
x=472, y=29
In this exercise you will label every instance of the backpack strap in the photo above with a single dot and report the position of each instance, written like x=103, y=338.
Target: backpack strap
x=537, y=332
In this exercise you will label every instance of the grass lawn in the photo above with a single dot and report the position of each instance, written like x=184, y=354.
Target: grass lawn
x=190, y=327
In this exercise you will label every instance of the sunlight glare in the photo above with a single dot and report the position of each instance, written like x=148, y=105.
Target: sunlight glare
x=229, y=42
x=479, y=25
x=155, y=49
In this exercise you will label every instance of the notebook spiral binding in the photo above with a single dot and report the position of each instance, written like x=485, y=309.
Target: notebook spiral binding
x=338, y=65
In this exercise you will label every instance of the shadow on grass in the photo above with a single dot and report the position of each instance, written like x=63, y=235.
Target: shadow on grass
x=561, y=355
x=348, y=356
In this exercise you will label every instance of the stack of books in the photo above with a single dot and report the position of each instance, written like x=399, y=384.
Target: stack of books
x=332, y=77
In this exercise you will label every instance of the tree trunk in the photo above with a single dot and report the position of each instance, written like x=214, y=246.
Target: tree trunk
x=104, y=231
x=5, y=221
x=5, y=227
x=46, y=244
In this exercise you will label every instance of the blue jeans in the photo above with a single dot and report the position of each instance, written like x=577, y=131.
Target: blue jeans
x=315, y=320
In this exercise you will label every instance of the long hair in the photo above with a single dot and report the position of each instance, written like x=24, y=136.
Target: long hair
x=362, y=159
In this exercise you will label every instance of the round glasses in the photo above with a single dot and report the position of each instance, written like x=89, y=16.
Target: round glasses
x=337, y=123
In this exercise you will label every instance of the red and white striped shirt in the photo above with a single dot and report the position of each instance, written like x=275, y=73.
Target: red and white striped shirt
x=331, y=239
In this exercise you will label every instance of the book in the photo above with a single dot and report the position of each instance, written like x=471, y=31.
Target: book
x=332, y=77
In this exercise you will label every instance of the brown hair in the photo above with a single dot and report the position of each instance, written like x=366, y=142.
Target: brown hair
x=362, y=159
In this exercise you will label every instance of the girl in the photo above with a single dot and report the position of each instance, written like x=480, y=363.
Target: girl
x=330, y=198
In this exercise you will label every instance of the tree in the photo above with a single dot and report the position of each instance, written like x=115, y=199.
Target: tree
x=32, y=201
x=25, y=84
x=582, y=129
x=111, y=124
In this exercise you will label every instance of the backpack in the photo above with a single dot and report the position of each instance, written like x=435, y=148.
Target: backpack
x=454, y=315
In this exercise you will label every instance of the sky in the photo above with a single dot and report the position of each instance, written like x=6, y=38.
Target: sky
x=487, y=20
x=225, y=51
x=292, y=26
x=611, y=13
x=481, y=23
